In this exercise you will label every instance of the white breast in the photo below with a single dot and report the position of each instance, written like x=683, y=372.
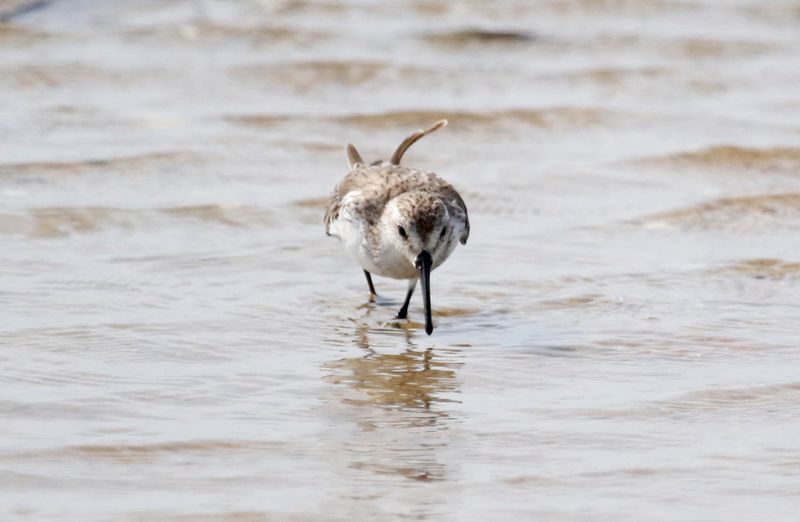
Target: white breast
x=378, y=257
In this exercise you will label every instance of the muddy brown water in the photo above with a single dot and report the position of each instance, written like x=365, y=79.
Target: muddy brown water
x=619, y=339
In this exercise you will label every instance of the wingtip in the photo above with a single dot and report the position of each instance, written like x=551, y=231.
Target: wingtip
x=353, y=157
x=412, y=138
x=436, y=126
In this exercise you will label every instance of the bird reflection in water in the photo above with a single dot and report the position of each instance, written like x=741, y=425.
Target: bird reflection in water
x=399, y=403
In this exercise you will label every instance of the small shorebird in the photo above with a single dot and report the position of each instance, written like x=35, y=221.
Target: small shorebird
x=396, y=221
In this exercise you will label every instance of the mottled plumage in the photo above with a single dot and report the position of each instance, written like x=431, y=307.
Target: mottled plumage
x=397, y=221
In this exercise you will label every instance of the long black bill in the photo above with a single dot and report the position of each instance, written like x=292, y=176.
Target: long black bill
x=423, y=265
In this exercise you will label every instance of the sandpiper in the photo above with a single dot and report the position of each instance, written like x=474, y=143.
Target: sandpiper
x=397, y=221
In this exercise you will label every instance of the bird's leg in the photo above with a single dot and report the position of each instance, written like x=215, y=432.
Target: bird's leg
x=412, y=284
x=372, y=293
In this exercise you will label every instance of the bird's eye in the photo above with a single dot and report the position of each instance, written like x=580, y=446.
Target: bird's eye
x=441, y=234
x=402, y=232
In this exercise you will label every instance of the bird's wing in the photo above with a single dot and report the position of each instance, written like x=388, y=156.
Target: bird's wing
x=455, y=202
x=361, y=177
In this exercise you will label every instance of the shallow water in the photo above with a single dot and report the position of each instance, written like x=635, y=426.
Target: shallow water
x=619, y=339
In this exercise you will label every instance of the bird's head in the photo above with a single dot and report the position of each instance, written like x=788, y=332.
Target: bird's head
x=421, y=231
x=420, y=223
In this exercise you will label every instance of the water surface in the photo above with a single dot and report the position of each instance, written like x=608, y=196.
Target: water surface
x=619, y=339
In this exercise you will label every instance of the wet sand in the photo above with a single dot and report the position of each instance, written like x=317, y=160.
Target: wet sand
x=618, y=340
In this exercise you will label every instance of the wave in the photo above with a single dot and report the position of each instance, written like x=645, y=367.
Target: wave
x=124, y=164
x=732, y=157
x=54, y=222
x=768, y=211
